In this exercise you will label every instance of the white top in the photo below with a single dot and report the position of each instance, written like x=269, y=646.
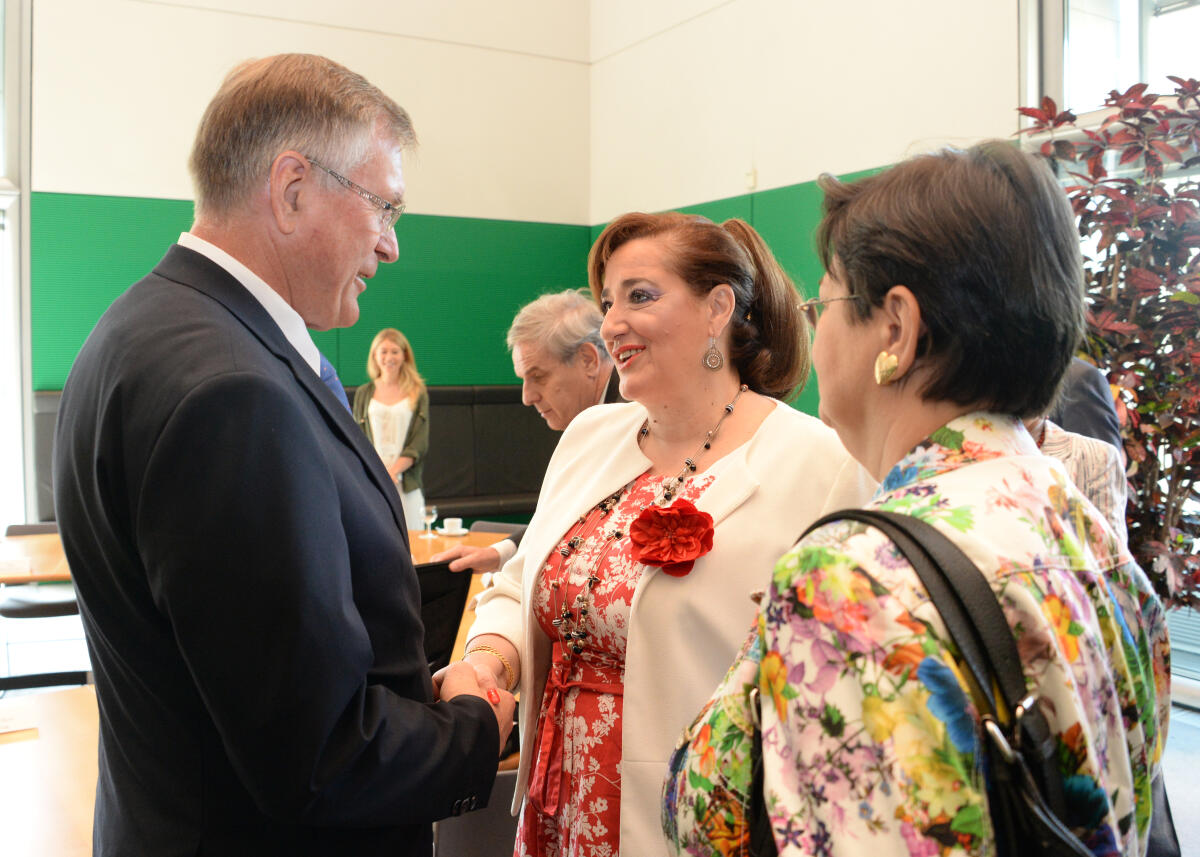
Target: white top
x=281, y=312
x=389, y=426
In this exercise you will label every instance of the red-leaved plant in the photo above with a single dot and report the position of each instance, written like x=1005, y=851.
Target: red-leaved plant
x=1141, y=249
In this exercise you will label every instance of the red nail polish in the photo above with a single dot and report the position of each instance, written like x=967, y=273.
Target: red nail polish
x=493, y=696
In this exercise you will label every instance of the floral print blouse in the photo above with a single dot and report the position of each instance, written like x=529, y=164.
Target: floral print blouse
x=869, y=734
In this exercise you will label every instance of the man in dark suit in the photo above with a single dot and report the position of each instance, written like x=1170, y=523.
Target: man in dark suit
x=558, y=354
x=238, y=549
x=1085, y=405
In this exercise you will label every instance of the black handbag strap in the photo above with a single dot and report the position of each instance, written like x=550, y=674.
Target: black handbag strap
x=975, y=621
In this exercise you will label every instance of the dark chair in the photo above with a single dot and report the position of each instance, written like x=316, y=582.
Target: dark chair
x=38, y=601
x=487, y=832
x=31, y=529
x=26, y=682
x=443, y=598
x=497, y=527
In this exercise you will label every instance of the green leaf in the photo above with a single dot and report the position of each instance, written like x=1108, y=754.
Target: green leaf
x=833, y=721
x=968, y=820
x=1185, y=297
x=948, y=438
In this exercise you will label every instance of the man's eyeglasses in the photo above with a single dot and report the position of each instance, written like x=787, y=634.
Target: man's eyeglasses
x=389, y=212
x=812, y=311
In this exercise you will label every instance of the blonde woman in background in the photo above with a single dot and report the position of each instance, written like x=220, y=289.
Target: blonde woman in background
x=393, y=410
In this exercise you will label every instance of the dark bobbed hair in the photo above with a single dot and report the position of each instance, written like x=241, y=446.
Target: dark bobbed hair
x=986, y=241
x=769, y=343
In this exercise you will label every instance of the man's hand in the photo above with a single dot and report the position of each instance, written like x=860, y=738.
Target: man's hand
x=467, y=558
x=462, y=678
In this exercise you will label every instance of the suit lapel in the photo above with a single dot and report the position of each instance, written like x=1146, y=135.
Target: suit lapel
x=194, y=270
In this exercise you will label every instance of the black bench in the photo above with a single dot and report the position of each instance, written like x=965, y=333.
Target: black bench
x=487, y=451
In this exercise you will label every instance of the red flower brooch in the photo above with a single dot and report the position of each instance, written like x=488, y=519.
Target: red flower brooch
x=671, y=537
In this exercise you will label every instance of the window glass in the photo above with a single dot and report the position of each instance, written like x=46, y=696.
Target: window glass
x=1171, y=45
x=1113, y=44
x=1102, y=50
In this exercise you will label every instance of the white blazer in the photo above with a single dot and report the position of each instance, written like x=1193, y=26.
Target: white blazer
x=683, y=632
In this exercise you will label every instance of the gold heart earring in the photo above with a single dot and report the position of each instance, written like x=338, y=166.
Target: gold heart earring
x=885, y=368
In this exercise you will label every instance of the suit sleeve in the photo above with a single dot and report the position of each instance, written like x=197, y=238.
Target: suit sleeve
x=240, y=524
x=1085, y=405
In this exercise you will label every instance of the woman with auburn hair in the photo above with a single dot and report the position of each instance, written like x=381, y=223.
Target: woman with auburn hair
x=393, y=410
x=953, y=302
x=632, y=586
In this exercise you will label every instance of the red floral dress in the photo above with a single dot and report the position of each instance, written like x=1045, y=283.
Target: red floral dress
x=573, y=805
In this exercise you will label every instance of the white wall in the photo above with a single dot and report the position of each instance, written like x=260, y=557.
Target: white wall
x=689, y=96
x=565, y=111
x=498, y=92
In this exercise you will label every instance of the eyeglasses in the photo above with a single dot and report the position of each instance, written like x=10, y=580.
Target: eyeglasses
x=811, y=310
x=389, y=212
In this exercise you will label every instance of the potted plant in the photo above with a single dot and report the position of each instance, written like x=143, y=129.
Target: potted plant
x=1134, y=183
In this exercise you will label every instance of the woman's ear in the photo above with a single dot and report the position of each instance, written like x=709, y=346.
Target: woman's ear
x=901, y=316
x=721, y=302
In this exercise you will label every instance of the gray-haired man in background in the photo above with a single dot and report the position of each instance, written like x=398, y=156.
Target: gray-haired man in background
x=564, y=369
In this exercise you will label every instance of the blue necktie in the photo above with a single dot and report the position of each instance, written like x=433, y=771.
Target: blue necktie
x=330, y=377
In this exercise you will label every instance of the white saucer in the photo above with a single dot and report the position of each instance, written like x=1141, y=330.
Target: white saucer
x=442, y=531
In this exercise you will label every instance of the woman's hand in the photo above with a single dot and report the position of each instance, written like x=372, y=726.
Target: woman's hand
x=464, y=679
x=398, y=466
x=494, y=655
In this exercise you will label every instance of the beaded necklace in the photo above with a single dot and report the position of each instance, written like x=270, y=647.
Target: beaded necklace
x=569, y=622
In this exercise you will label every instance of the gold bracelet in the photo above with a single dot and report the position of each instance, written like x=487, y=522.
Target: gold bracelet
x=510, y=677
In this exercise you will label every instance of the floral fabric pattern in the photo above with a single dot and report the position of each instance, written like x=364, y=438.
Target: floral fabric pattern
x=573, y=808
x=870, y=738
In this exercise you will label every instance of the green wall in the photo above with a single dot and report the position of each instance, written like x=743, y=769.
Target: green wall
x=456, y=287
x=453, y=292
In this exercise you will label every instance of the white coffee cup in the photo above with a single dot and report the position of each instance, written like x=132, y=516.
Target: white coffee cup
x=452, y=525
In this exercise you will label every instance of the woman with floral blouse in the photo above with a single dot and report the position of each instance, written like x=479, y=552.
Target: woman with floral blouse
x=953, y=303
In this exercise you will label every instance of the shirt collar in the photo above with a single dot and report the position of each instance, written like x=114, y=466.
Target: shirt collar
x=290, y=323
x=964, y=440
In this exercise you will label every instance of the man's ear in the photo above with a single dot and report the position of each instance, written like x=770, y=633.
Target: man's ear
x=290, y=182
x=721, y=302
x=589, y=355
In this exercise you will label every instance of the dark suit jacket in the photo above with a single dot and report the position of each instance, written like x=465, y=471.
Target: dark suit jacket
x=1085, y=404
x=247, y=592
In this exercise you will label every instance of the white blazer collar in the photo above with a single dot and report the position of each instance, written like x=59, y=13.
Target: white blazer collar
x=602, y=455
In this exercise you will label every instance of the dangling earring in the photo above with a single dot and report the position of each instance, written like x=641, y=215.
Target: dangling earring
x=885, y=367
x=713, y=359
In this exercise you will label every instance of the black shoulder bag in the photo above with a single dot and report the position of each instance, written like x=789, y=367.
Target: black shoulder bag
x=1024, y=787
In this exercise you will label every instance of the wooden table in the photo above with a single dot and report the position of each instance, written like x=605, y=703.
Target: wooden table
x=423, y=549
x=48, y=775
x=32, y=559
x=43, y=554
